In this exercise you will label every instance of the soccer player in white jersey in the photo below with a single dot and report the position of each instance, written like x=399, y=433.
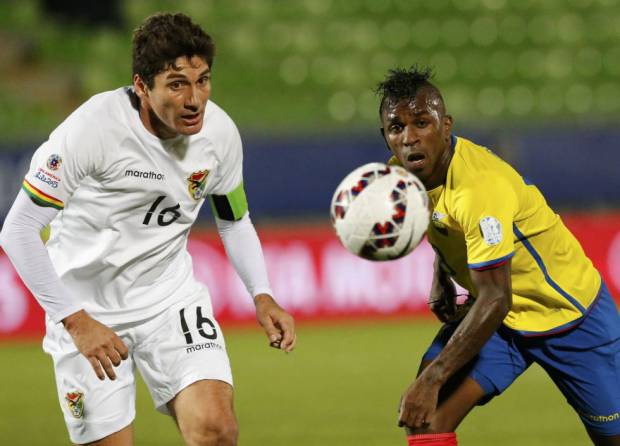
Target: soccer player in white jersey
x=122, y=180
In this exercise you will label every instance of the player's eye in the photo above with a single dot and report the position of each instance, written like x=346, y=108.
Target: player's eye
x=176, y=85
x=422, y=123
x=395, y=128
x=204, y=80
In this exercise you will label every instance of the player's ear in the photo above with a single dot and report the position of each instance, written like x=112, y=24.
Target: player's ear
x=139, y=86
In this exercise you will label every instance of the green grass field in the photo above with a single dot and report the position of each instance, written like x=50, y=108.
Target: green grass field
x=340, y=387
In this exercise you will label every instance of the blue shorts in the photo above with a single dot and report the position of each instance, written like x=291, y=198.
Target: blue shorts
x=584, y=362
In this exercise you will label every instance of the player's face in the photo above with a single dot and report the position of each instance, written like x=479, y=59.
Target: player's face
x=418, y=134
x=176, y=103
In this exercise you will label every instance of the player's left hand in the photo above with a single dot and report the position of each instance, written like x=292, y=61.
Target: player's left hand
x=277, y=323
x=419, y=402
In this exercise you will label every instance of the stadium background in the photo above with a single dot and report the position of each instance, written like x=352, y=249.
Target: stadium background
x=536, y=80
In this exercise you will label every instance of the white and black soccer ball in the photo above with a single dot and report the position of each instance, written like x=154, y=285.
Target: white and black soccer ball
x=380, y=212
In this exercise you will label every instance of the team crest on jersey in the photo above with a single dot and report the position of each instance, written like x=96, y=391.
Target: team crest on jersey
x=54, y=162
x=436, y=218
x=491, y=230
x=75, y=401
x=197, y=184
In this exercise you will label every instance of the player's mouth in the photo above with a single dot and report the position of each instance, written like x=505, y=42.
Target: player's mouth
x=416, y=161
x=191, y=119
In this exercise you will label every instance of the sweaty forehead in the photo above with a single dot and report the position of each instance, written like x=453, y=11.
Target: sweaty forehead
x=426, y=100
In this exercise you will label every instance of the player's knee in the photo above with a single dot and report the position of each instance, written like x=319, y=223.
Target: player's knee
x=440, y=424
x=209, y=431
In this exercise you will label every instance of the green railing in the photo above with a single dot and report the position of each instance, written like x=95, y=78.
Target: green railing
x=290, y=66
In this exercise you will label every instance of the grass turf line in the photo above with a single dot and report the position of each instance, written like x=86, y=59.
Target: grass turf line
x=340, y=387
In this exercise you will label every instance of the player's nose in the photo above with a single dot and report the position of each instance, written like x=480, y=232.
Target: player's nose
x=409, y=135
x=192, y=101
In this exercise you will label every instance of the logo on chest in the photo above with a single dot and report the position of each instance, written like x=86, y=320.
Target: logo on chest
x=440, y=226
x=197, y=184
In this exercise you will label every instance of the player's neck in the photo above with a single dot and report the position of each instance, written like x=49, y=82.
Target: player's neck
x=438, y=178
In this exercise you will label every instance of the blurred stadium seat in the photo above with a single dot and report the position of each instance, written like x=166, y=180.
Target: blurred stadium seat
x=534, y=79
x=299, y=65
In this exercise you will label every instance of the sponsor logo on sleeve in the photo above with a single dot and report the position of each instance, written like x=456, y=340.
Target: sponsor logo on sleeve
x=46, y=177
x=197, y=184
x=75, y=401
x=54, y=162
x=491, y=230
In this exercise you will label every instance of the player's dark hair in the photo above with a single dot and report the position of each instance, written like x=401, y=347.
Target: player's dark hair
x=404, y=83
x=164, y=37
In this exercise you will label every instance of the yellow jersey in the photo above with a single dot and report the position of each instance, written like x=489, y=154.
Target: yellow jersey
x=485, y=214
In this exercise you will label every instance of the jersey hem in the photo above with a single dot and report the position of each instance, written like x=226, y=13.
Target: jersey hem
x=564, y=327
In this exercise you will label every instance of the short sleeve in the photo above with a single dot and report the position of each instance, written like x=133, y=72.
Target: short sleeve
x=227, y=193
x=486, y=213
x=60, y=163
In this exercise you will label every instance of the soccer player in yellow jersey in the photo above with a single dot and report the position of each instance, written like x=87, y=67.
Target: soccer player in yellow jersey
x=534, y=295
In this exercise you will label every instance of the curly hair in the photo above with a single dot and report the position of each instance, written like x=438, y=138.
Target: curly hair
x=164, y=37
x=404, y=83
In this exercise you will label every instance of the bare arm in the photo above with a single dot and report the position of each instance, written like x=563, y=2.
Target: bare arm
x=483, y=319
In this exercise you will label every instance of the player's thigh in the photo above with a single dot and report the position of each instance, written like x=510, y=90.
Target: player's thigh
x=92, y=409
x=496, y=366
x=600, y=440
x=585, y=365
x=205, y=408
x=180, y=347
x=455, y=405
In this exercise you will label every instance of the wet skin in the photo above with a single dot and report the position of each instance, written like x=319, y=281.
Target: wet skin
x=418, y=133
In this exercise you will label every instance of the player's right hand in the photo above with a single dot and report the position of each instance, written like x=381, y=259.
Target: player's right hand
x=103, y=348
x=442, y=302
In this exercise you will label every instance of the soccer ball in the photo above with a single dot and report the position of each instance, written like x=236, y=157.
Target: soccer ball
x=380, y=212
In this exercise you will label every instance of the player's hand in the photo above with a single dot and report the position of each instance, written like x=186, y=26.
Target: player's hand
x=443, y=306
x=99, y=344
x=450, y=307
x=277, y=323
x=418, y=403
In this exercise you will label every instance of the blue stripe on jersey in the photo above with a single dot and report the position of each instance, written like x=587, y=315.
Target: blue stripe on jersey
x=490, y=262
x=543, y=268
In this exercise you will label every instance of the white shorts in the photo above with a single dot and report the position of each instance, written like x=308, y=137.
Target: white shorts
x=172, y=350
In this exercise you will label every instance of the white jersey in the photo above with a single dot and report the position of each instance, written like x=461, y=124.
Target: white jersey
x=128, y=200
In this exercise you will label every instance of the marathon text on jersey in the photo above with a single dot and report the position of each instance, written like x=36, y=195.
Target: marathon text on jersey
x=149, y=175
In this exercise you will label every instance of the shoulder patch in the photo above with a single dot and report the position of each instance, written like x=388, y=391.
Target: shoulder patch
x=491, y=230
x=54, y=162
